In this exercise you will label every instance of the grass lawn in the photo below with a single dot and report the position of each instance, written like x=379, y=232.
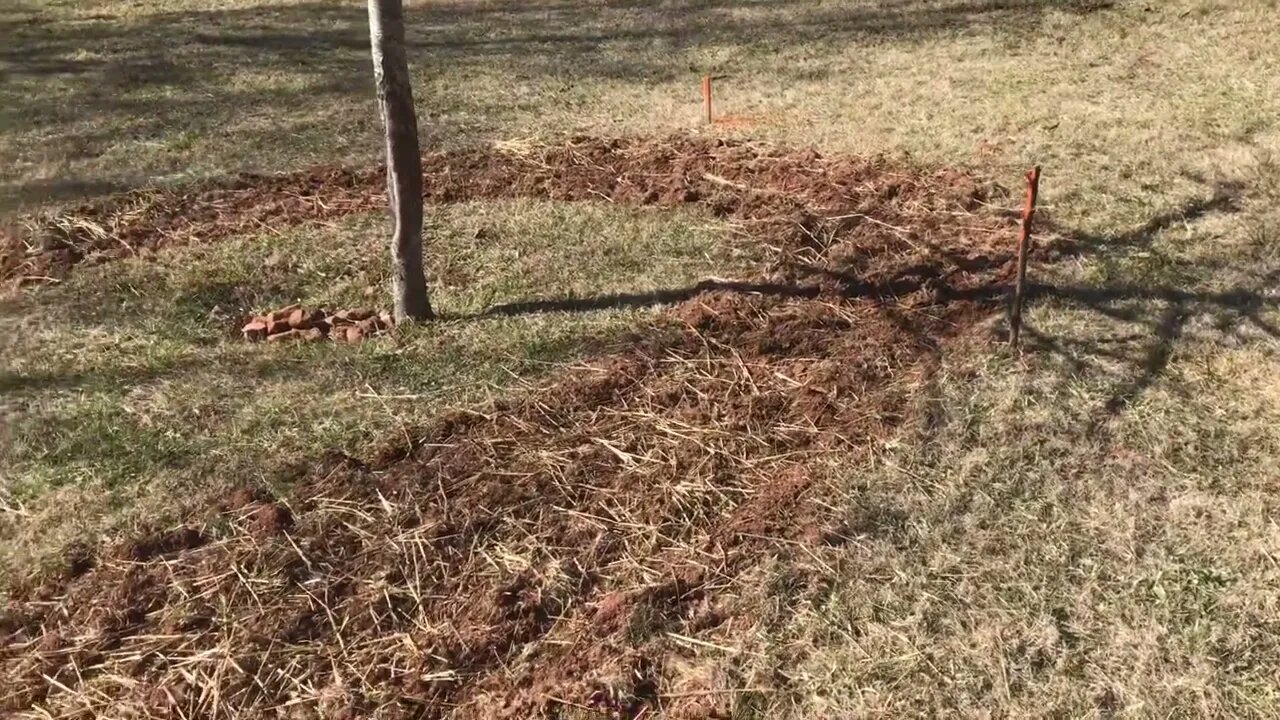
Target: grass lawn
x=1091, y=529
x=1122, y=102
x=129, y=391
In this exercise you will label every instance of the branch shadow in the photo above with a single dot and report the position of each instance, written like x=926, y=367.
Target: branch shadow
x=1126, y=303
x=1168, y=329
x=838, y=284
x=166, y=74
x=1225, y=197
x=1230, y=311
x=638, y=300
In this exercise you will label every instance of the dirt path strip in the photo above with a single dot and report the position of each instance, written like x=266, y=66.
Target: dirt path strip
x=614, y=540
x=737, y=180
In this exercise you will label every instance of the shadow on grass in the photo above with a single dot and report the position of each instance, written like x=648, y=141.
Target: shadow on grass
x=1226, y=197
x=1229, y=309
x=1236, y=307
x=112, y=378
x=550, y=37
x=206, y=71
x=848, y=287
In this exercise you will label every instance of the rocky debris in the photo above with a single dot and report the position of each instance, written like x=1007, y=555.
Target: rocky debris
x=296, y=323
x=255, y=330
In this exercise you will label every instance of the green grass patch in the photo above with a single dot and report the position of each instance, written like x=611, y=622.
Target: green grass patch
x=128, y=386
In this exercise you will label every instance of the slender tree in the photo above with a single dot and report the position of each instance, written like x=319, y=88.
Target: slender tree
x=404, y=163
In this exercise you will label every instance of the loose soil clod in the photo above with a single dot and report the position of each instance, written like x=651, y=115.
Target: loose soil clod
x=295, y=323
x=584, y=543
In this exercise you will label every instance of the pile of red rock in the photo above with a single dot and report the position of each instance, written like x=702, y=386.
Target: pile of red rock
x=298, y=323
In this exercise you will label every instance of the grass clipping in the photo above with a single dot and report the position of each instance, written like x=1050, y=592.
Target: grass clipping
x=577, y=547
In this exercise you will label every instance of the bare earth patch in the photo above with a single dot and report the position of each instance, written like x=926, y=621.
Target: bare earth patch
x=564, y=549
x=752, y=183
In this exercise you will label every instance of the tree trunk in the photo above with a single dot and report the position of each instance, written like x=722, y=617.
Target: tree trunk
x=404, y=163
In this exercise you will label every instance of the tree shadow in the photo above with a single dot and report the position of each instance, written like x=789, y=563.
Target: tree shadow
x=541, y=36
x=638, y=300
x=1230, y=312
x=110, y=378
x=1128, y=303
x=209, y=72
x=1224, y=198
x=837, y=284
x=1168, y=328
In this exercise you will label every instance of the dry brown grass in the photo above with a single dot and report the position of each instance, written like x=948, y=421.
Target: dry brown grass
x=1117, y=100
x=580, y=542
x=1087, y=531
x=127, y=396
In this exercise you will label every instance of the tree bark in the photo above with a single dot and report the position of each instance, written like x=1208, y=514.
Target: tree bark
x=404, y=162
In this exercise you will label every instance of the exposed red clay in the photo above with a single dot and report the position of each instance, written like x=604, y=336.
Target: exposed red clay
x=585, y=545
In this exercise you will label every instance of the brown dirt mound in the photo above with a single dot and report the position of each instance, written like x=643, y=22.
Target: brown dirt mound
x=588, y=545
x=737, y=179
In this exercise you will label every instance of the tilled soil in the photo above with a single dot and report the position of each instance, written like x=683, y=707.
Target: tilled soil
x=589, y=546
x=739, y=180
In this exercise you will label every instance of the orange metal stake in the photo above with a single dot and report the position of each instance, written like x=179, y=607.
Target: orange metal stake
x=706, y=97
x=1024, y=248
